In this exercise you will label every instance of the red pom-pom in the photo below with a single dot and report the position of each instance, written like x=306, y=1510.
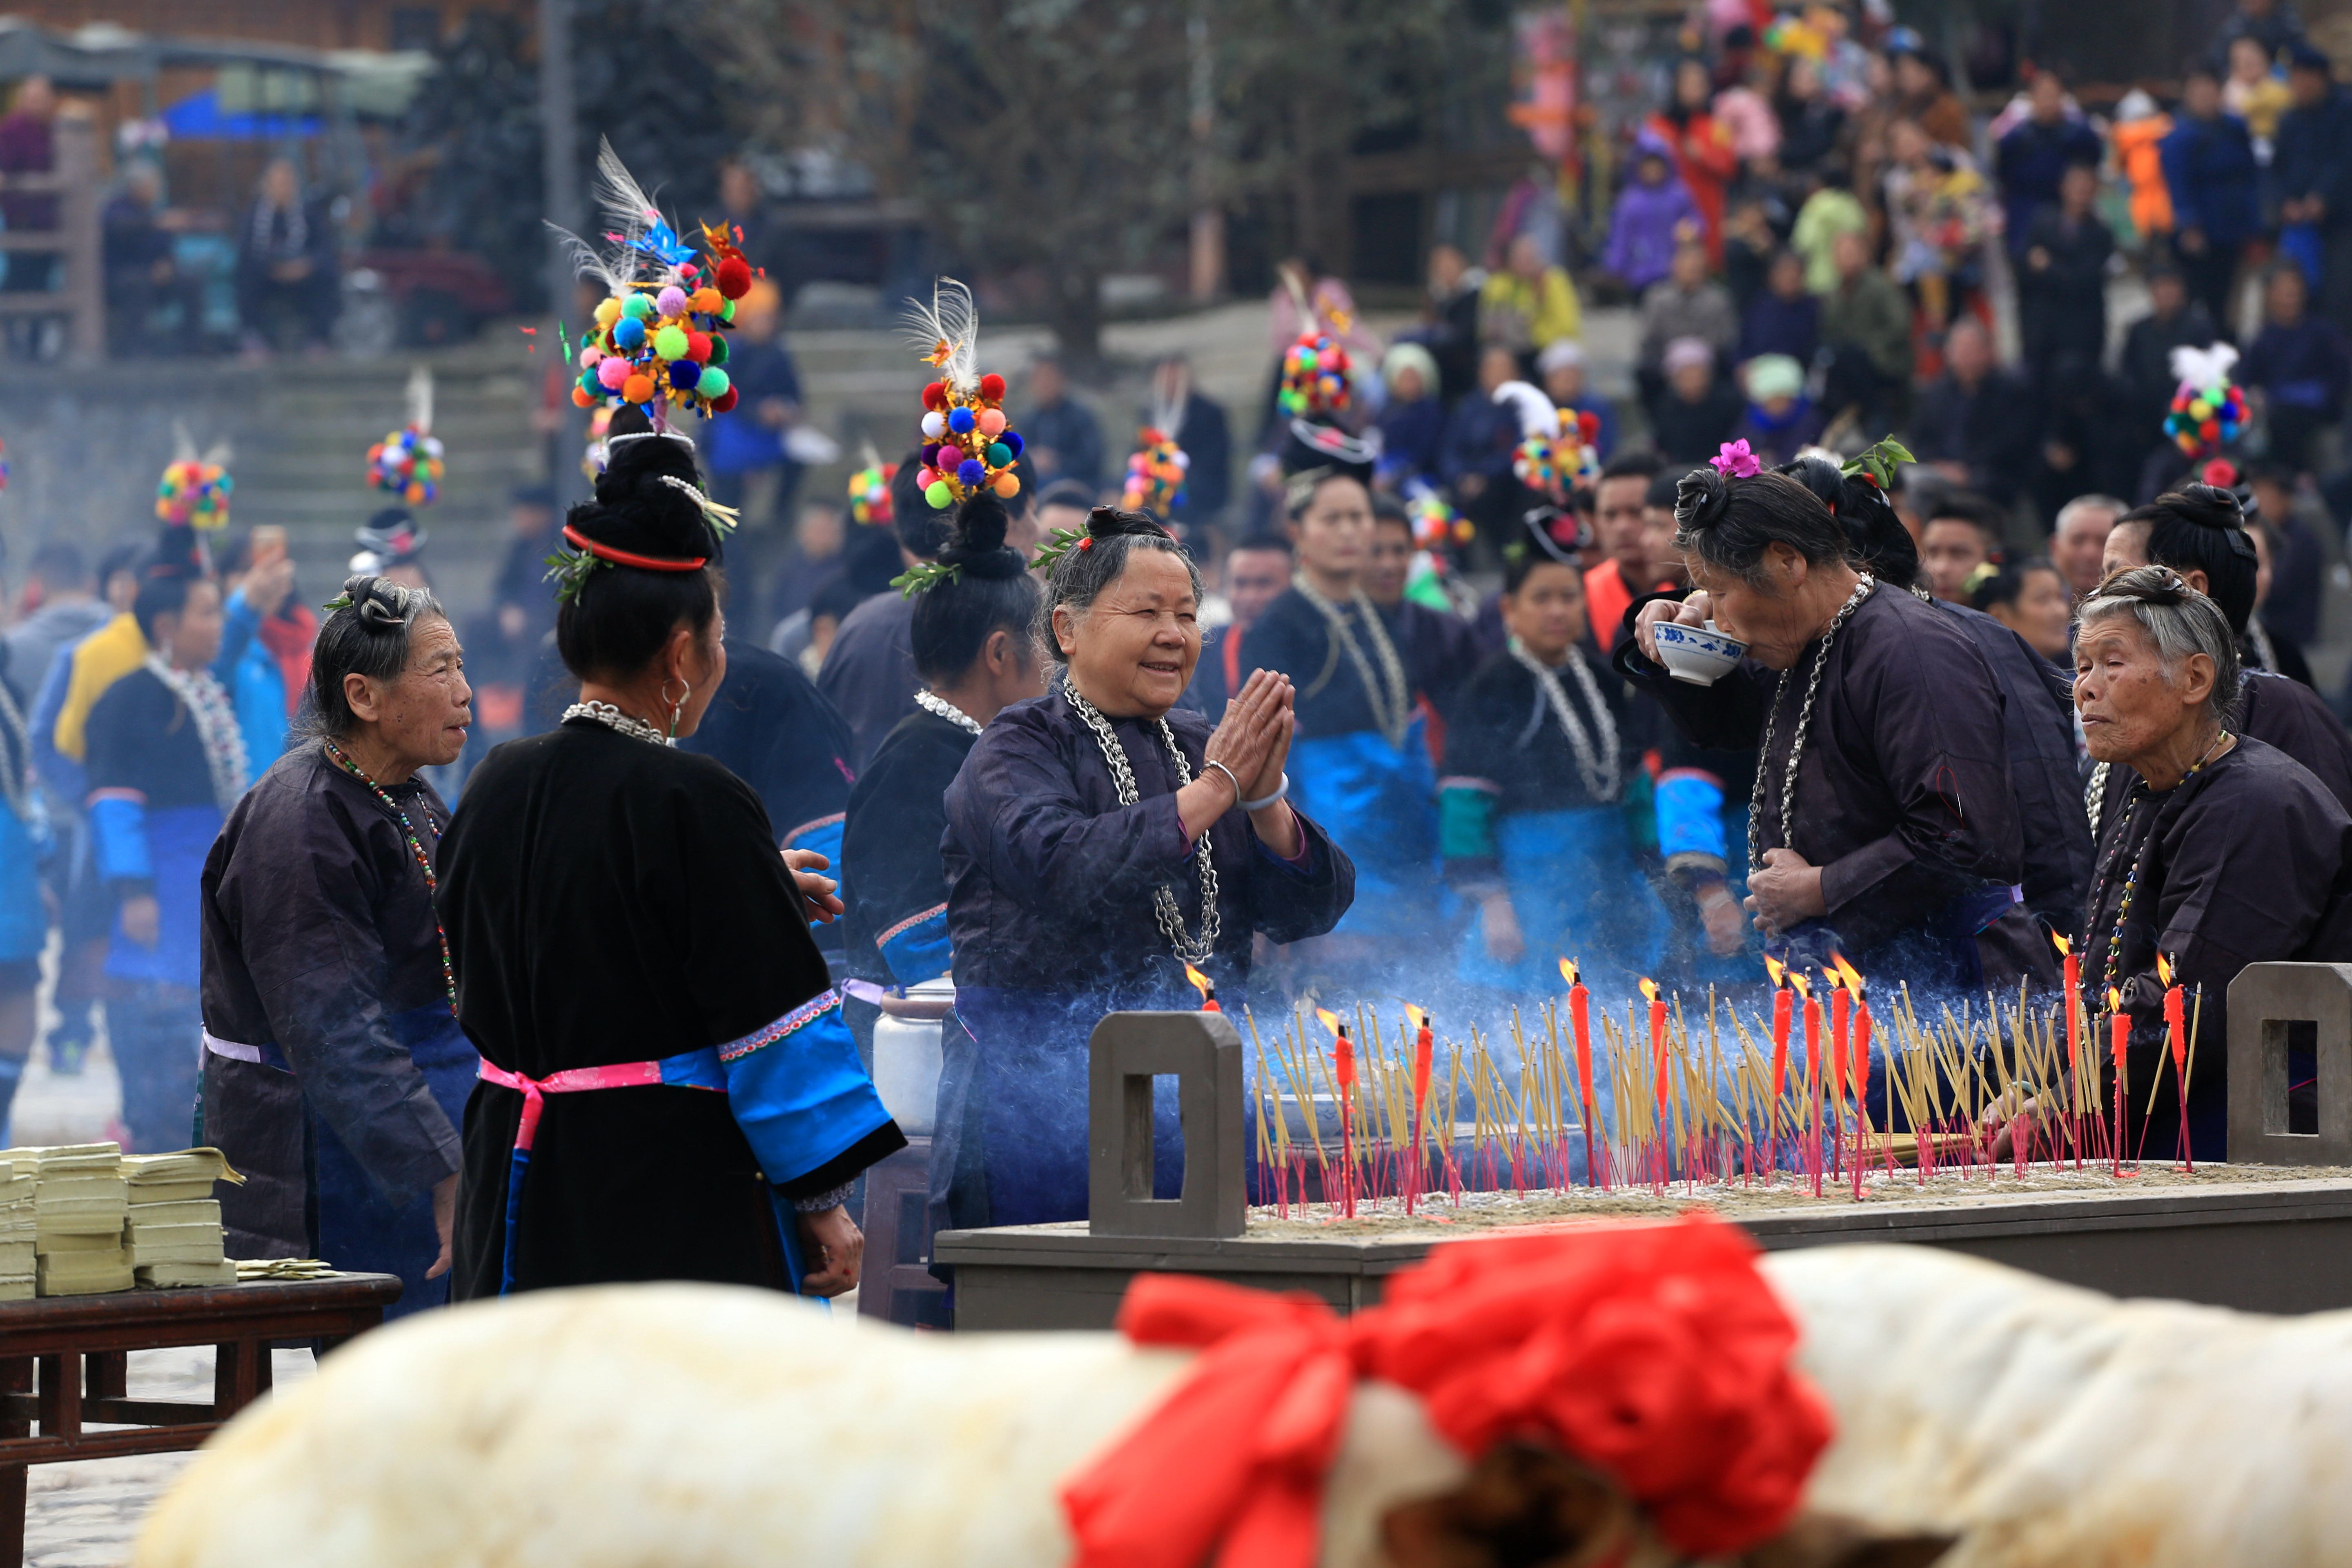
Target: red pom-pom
x=935, y=395
x=697, y=346
x=992, y=386
x=734, y=277
x=723, y=402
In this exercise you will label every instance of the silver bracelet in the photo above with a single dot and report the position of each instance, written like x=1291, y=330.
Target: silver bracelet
x=832, y=1198
x=1227, y=772
x=1280, y=791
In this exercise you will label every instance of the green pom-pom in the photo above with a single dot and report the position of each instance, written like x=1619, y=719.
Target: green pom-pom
x=713, y=384
x=670, y=342
x=999, y=456
x=718, y=350
x=727, y=312
x=637, y=305
x=939, y=495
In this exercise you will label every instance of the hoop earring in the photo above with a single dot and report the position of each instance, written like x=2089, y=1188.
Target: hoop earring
x=685, y=691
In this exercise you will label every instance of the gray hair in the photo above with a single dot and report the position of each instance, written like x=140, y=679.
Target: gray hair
x=1096, y=560
x=2177, y=619
x=368, y=633
x=2093, y=502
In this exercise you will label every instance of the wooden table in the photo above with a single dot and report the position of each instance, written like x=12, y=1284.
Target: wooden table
x=81, y=1344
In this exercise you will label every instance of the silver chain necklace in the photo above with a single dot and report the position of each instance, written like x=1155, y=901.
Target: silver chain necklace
x=1391, y=699
x=1600, y=772
x=1862, y=591
x=1122, y=778
x=939, y=707
x=611, y=718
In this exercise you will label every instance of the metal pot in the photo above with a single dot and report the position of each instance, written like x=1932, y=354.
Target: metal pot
x=907, y=1054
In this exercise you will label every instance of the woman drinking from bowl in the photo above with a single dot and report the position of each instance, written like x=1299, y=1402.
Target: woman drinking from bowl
x=2222, y=852
x=1100, y=839
x=1882, y=823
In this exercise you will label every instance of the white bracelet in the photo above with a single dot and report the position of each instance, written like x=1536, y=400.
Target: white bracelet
x=1225, y=770
x=1280, y=791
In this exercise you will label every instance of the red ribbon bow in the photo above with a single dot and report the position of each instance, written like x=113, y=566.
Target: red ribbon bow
x=1655, y=1353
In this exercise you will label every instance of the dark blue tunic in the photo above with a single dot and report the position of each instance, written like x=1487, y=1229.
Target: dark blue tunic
x=1050, y=902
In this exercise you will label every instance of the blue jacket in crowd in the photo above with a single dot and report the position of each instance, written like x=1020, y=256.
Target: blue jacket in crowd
x=2208, y=167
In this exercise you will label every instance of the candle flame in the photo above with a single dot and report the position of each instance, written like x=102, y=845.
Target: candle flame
x=1200, y=982
x=1772, y=967
x=2063, y=947
x=2164, y=971
x=1416, y=1018
x=1650, y=989
x=1847, y=975
x=1567, y=972
x=2115, y=1000
x=1803, y=987
x=1331, y=1021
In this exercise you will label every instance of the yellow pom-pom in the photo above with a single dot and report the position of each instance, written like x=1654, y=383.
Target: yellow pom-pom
x=607, y=312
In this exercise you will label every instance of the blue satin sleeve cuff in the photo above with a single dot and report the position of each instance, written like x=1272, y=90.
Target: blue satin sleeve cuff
x=799, y=1092
x=117, y=820
x=1690, y=814
x=917, y=949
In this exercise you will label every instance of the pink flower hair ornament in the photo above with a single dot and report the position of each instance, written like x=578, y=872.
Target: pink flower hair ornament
x=1735, y=461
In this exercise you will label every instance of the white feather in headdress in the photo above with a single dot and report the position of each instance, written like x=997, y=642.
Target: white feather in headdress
x=183, y=447
x=1537, y=416
x=623, y=201
x=2202, y=368
x=948, y=332
x=420, y=399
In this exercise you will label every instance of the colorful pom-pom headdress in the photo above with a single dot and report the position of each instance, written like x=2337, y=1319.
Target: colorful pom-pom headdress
x=1157, y=469
x=2208, y=409
x=969, y=443
x=193, y=490
x=1556, y=454
x=406, y=464
x=1316, y=391
x=869, y=492
x=657, y=341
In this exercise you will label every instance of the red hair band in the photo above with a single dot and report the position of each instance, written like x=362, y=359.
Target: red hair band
x=627, y=558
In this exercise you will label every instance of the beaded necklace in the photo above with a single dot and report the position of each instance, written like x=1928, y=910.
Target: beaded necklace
x=2140, y=793
x=1388, y=694
x=1862, y=591
x=416, y=848
x=1600, y=769
x=939, y=707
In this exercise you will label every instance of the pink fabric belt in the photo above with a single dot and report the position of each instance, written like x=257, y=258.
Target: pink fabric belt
x=573, y=1080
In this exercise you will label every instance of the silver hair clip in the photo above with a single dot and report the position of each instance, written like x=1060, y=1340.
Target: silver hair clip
x=685, y=441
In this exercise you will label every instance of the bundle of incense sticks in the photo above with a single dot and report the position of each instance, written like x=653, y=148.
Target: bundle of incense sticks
x=1373, y=1112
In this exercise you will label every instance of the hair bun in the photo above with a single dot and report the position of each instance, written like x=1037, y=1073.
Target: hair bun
x=976, y=542
x=1700, y=498
x=380, y=605
x=1110, y=522
x=2210, y=506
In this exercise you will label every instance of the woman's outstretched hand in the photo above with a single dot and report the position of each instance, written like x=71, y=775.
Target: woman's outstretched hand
x=817, y=891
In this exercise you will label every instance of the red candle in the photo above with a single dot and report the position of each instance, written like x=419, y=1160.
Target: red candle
x=1781, y=1003
x=1861, y=1047
x=1658, y=1046
x=2119, y=1035
x=1838, y=1001
x=1580, y=1003
x=2176, y=1024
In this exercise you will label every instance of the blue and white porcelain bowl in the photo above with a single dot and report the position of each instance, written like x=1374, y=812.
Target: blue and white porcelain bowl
x=1700, y=655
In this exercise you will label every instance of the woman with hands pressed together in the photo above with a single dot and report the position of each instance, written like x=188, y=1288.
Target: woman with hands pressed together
x=1100, y=840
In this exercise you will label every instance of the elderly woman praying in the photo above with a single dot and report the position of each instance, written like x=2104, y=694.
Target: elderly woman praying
x=2218, y=851
x=1100, y=840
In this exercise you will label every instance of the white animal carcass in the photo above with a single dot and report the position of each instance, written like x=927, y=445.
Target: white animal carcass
x=690, y=1426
